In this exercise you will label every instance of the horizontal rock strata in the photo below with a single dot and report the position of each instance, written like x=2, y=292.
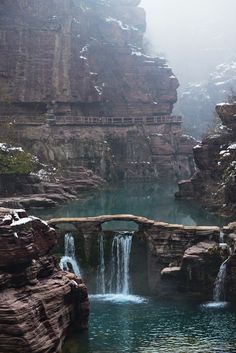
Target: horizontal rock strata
x=34, y=191
x=38, y=302
x=78, y=89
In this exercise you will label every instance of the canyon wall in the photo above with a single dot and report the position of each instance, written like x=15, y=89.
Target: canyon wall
x=38, y=301
x=77, y=88
x=214, y=182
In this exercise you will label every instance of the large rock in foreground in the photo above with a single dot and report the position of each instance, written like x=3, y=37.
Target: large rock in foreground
x=38, y=302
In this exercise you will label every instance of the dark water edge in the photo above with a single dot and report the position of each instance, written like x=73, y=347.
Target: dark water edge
x=155, y=326
x=151, y=200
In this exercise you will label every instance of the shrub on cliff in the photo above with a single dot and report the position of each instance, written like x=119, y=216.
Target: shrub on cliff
x=14, y=160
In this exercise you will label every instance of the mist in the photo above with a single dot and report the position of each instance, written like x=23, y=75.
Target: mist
x=193, y=35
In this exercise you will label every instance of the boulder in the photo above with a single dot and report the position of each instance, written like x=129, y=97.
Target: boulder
x=38, y=301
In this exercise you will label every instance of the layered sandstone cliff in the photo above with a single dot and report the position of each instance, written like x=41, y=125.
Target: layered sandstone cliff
x=214, y=182
x=81, y=57
x=79, y=89
x=38, y=302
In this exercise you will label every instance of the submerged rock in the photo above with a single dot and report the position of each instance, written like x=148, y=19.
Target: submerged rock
x=38, y=301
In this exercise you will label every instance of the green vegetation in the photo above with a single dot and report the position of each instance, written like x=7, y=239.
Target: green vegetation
x=13, y=160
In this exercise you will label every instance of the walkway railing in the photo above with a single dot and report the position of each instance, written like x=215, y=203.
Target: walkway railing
x=91, y=121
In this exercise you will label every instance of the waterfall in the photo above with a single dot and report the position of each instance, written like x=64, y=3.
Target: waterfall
x=117, y=275
x=68, y=261
x=219, y=288
x=120, y=260
x=222, y=238
x=101, y=288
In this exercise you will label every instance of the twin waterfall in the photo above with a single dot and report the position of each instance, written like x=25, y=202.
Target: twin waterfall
x=115, y=279
x=68, y=261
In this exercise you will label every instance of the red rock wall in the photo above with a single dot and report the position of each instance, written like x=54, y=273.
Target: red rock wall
x=73, y=58
x=119, y=152
x=87, y=56
x=38, y=302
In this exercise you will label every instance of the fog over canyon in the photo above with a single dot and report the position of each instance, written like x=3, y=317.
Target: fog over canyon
x=117, y=176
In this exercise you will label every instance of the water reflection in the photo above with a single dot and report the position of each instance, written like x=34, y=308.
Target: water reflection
x=150, y=200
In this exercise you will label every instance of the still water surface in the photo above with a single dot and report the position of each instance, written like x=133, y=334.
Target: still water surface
x=156, y=327
x=150, y=200
x=137, y=325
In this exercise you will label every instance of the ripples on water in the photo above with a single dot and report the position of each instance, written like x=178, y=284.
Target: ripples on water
x=141, y=325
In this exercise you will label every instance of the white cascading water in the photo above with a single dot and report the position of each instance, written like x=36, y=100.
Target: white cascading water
x=68, y=262
x=219, y=288
x=101, y=287
x=117, y=280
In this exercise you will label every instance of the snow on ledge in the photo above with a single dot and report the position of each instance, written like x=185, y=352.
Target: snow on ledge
x=23, y=221
x=123, y=26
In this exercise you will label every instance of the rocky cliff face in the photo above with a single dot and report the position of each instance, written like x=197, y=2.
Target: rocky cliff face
x=214, y=181
x=197, y=100
x=80, y=66
x=38, y=302
x=84, y=56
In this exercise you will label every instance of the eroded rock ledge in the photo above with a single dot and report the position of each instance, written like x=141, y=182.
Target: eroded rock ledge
x=38, y=301
x=32, y=191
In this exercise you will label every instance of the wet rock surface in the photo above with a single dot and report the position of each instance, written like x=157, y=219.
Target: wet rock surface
x=31, y=191
x=176, y=260
x=38, y=302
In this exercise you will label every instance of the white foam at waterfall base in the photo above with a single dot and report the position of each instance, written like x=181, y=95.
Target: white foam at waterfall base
x=118, y=298
x=68, y=262
x=215, y=305
x=219, y=289
x=115, y=288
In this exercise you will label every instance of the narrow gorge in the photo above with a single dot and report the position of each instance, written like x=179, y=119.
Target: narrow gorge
x=108, y=256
